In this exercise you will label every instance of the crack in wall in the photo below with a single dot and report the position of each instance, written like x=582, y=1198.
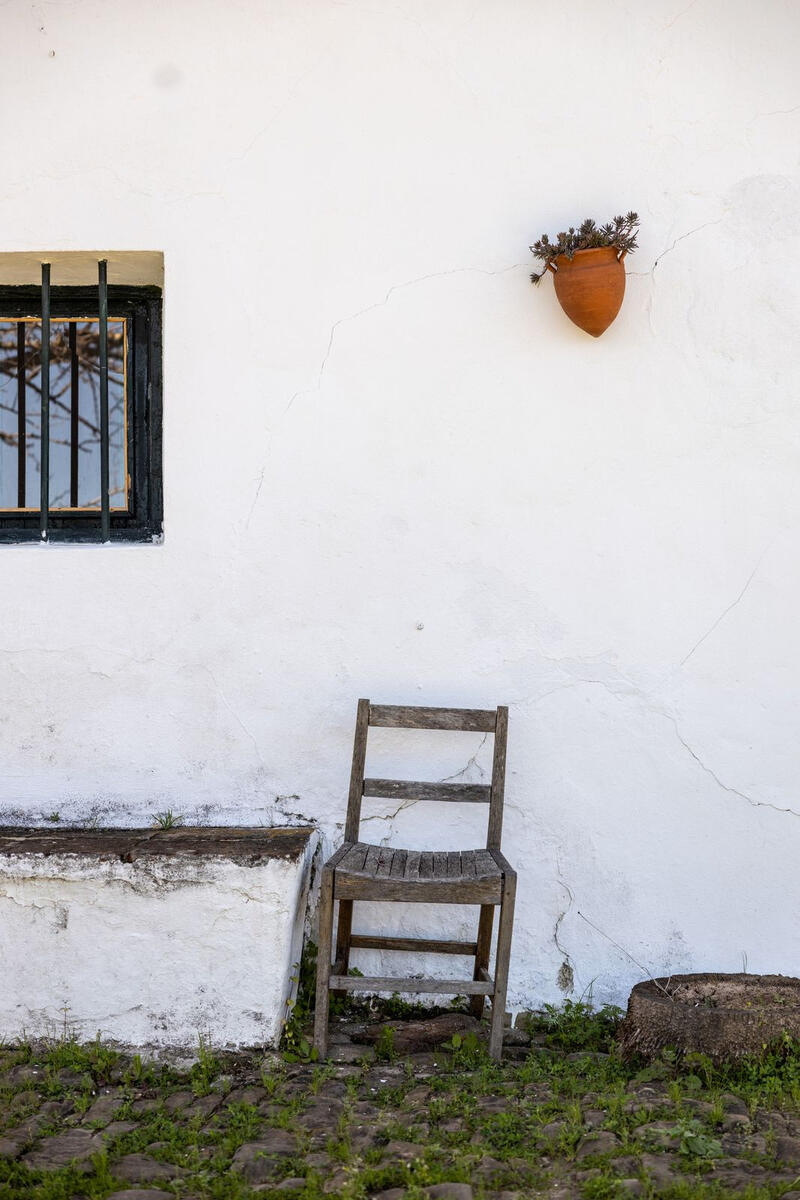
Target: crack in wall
x=231, y=710
x=725, y=787
x=775, y=112
x=149, y=885
x=682, y=238
x=431, y=41
x=627, y=688
x=53, y=906
x=471, y=762
x=669, y=249
x=390, y=816
x=255, y=498
x=680, y=14
x=725, y=612
x=396, y=287
x=646, y=971
x=565, y=979
x=279, y=111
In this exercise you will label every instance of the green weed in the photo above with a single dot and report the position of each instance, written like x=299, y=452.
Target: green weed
x=468, y=1051
x=577, y=1025
x=695, y=1141
x=166, y=820
x=205, y=1070
x=295, y=1044
x=384, y=1047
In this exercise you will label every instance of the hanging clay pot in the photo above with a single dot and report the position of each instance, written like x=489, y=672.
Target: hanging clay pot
x=590, y=287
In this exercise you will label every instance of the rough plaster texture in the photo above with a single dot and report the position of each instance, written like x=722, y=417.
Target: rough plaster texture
x=156, y=952
x=394, y=469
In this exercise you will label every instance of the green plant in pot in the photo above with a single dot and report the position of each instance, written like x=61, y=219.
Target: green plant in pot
x=587, y=268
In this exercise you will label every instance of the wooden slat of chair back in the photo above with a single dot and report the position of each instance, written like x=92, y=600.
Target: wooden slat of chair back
x=396, y=716
x=407, y=789
x=408, y=717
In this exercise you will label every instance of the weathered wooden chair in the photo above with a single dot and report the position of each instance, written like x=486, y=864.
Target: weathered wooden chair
x=358, y=871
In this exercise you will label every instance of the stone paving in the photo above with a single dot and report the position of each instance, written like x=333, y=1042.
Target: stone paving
x=389, y=1121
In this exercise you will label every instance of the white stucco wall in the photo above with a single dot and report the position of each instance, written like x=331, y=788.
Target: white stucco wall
x=417, y=481
x=157, y=952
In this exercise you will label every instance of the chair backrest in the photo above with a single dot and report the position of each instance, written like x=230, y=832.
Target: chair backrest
x=473, y=720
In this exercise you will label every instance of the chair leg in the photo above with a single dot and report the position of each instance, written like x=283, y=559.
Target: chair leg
x=343, y=932
x=485, y=924
x=323, y=964
x=501, y=967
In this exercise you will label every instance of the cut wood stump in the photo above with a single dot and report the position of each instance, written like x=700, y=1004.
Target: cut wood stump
x=722, y=1016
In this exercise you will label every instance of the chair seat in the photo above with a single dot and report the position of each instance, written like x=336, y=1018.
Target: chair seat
x=363, y=871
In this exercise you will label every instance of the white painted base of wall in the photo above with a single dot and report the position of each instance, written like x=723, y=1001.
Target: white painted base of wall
x=154, y=952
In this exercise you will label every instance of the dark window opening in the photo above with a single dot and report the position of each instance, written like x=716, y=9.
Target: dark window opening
x=87, y=414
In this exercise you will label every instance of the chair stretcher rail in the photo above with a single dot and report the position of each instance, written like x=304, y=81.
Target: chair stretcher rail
x=360, y=941
x=377, y=983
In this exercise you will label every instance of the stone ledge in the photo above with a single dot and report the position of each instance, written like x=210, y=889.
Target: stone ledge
x=248, y=846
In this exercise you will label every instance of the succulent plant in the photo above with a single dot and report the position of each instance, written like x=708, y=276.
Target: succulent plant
x=619, y=232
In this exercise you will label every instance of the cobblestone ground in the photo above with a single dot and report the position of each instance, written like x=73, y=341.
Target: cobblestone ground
x=381, y=1121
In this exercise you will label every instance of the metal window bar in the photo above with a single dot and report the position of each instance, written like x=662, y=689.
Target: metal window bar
x=105, y=509
x=105, y=490
x=21, y=415
x=44, y=454
x=74, y=400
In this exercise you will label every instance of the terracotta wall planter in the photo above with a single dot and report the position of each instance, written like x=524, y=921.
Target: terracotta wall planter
x=590, y=287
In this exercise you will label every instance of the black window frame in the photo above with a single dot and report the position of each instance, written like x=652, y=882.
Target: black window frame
x=141, y=306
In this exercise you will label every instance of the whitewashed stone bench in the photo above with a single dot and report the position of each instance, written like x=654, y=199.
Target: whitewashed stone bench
x=151, y=937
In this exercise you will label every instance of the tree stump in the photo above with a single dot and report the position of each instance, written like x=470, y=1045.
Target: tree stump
x=722, y=1016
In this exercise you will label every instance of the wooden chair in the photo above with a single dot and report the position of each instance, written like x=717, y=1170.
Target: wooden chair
x=359, y=871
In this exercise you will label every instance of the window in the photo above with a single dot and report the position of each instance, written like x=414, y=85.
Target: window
x=80, y=415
